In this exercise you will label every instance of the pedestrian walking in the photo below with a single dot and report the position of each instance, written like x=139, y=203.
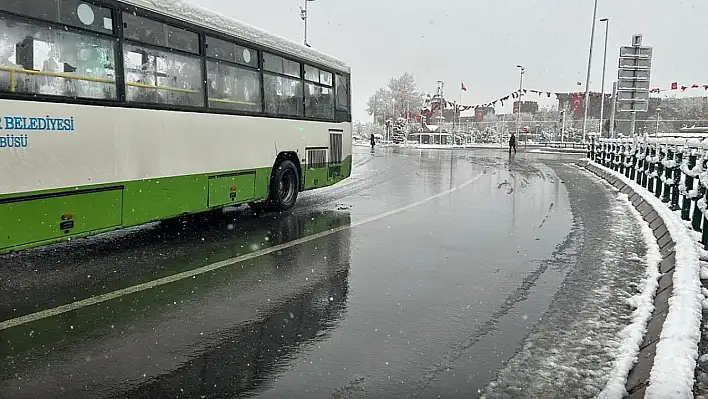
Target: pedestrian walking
x=512, y=143
x=373, y=141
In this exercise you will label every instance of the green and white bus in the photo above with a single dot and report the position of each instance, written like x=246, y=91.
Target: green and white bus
x=116, y=113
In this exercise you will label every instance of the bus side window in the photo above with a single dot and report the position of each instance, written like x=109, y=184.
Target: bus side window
x=77, y=13
x=233, y=88
x=283, y=96
x=162, y=77
x=320, y=101
x=36, y=58
x=342, y=93
x=342, y=113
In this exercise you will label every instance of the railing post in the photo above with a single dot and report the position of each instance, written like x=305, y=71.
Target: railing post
x=641, y=164
x=650, y=179
x=688, y=183
x=697, y=213
x=668, y=175
x=647, y=165
x=616, y=152
x=610, y=155
x=621, y=160
x=659, y=171
x=591, y=150
x=633, y=163
x=676, y=174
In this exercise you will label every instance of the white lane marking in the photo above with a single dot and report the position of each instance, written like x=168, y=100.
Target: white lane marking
x=214, y=266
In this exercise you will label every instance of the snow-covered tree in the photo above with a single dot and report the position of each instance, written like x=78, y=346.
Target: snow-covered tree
x=380, y=104
x=396, y=99
x=405, y=95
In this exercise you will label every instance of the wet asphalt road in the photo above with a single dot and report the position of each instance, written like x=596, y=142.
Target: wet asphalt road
x=422, y=263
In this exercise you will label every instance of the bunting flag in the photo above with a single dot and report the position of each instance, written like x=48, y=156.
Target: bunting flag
x=675, y=86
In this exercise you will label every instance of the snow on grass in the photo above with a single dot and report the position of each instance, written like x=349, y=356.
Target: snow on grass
x=672, y=375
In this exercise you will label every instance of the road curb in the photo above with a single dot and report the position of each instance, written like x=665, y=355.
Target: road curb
x=638, y=378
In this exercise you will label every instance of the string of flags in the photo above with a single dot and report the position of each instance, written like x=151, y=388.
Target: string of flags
x=515, y=95
x=675, y=86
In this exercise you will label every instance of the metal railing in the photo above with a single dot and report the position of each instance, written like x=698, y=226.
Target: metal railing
x=674, y=169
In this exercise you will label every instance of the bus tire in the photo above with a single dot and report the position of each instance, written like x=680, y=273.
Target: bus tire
x=284, y=186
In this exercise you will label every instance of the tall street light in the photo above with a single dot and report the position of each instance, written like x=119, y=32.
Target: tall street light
x=587, y=80
x=518, y=110
x=604, y=68
x=303, y=15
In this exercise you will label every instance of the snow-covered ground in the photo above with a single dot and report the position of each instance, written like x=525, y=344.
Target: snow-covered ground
x=589, y=338
x=673, y=372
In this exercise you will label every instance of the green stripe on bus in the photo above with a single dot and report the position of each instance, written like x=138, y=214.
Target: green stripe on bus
x=49, y=216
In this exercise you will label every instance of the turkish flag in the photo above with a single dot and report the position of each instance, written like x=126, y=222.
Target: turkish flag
x=695, y=86
x=577, y=104
x=463, y=87
x=674, y=86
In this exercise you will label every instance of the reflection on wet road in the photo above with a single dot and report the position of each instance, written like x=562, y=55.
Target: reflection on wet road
x=422, y=263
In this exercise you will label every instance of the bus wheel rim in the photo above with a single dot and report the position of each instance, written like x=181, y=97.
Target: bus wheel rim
x=287, y=187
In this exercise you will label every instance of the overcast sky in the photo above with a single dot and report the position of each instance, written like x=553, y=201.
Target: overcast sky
x=480, y=42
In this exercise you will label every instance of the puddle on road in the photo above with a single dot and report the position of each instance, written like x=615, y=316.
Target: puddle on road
x=239, y=323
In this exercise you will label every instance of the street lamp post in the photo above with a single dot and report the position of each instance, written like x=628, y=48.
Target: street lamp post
x=303, y=15
x=587, y=80
x=562, y=125
x=518, y=110
x=604, y=67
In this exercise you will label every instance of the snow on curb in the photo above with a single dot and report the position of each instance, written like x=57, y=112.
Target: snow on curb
x=631, y=336
x=672, y=374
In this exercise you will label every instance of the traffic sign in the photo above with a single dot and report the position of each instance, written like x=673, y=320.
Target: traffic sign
x=633, y=84
x=633, y=106
x=634, y=63
x=634, y=74
x=628, y=95
x=641, y=52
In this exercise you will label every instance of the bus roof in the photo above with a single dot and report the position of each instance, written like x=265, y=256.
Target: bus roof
x=185, y=11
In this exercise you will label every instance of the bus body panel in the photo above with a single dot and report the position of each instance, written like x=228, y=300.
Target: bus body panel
x=163, y=164
x=116, y=144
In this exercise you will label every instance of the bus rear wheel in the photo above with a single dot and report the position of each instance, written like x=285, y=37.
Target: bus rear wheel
x=283, y=190
x=284, y=186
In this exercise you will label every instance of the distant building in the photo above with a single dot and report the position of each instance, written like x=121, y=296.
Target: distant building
x=574, y=102
x=527, y=107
